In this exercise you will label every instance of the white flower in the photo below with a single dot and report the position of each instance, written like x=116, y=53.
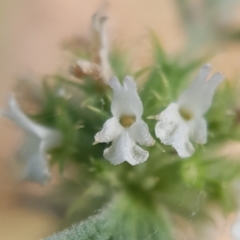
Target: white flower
x=183, y=121
x=99, y=67
x=102, y=41
x=39, y=139
x=126, y=127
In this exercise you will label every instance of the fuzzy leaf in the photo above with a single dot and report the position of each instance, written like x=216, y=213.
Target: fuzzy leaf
x=124, y=219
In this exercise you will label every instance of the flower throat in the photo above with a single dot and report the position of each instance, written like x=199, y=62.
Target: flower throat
x=127, y=120
x=185, y=114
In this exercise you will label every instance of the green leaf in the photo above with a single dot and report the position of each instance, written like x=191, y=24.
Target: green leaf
x=123, y=219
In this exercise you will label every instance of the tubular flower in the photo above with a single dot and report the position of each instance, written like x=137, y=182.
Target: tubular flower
x=99, y=67
x=183, y=121
x=38, y=140
x=126, y=127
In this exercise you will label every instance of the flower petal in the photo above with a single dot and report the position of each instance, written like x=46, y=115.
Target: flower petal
x=39, y=140
x=133, y=100
x=125, y=98
x=172, y=130
x=115, y=84
x=193, y=90
x=22, y=120
x=125, y=149
x=212, y=84
x=210, y=87
x=168, y=121
x=52, y=137
x=180, y=141
x=199, y=131
x=111, y=130
x=33, y=156
x=197, y=98
x=140, y=133
x=102, y=44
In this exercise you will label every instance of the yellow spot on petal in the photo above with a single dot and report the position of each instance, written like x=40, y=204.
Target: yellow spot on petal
x=127, y=120
x=185, y=114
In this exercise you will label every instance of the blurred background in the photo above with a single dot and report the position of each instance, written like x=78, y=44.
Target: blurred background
x=32, y=33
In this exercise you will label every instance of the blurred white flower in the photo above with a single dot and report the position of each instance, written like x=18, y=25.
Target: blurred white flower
x=126, y=127
x=99, y=67
x=38, y=140
x=99, y=21
x=183, y=121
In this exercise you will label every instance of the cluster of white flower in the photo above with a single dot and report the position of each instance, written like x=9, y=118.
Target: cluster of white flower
x=177, y=125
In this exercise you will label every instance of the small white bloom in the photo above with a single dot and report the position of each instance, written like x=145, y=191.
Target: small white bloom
x=39, y=140
x=99, y=67
x=99, y=30
x=183, y=121
x=126, y=127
